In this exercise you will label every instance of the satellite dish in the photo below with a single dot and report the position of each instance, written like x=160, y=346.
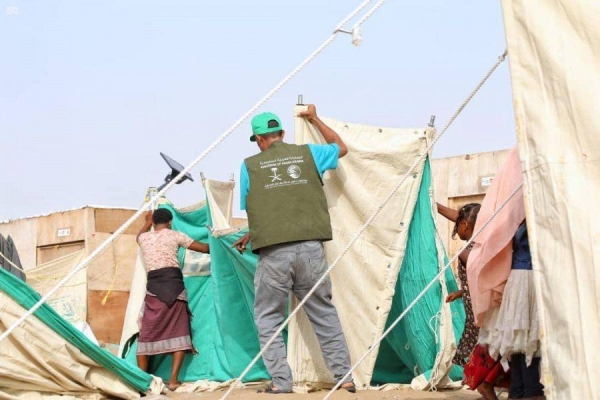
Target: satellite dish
x=176, y=169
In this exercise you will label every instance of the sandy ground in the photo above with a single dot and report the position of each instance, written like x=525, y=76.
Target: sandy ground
x=400, y=394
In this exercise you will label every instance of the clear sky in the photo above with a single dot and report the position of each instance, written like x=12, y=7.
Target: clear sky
x=92, y=91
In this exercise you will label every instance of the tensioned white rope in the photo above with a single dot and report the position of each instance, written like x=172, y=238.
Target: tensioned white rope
x=364, y=226
x=369, y=13
x=147, y=204
x=423, y=292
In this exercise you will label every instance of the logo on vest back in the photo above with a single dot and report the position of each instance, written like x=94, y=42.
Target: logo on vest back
x=275, y=176
x=294, y=171
x=290, y=172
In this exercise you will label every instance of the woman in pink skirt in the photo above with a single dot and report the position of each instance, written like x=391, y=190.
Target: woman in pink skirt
x=165, y=326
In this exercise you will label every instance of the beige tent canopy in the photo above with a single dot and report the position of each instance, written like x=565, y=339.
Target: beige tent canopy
x=364, y=281
x=554, y=52
x=46, y=356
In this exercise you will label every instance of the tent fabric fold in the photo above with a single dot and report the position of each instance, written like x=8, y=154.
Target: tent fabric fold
x=47, y=354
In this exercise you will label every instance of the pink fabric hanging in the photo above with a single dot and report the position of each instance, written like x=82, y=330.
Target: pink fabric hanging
x=490, y=260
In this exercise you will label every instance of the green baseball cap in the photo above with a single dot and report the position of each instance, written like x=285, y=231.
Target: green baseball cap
x=265, y=123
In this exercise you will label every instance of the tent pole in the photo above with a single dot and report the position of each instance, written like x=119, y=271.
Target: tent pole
x=432, y=121
x=151, y=195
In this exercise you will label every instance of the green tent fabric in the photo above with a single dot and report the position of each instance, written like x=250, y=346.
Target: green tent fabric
x=224, y=332
x=411, y=347
x=26, y=297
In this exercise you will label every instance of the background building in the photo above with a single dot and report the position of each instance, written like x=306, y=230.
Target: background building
x=51, y=245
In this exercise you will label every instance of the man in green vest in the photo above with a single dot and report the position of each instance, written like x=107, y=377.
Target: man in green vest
x=282, y=192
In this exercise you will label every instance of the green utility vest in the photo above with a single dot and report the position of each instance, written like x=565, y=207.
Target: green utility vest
x=286, y=202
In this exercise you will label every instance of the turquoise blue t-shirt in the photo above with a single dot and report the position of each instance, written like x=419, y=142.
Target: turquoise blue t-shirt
x=325, y=155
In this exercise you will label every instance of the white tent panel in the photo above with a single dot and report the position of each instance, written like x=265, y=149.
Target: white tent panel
x=554, y=52
x=365, y=278
x=70, y=300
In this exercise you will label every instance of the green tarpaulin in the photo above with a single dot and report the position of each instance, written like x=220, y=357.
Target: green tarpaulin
x=411, y=347
x=223, y=327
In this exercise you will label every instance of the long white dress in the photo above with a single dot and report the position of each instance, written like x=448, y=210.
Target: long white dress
x=516, y=327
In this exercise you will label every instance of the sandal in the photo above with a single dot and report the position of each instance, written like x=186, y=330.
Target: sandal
x=351, y=389
x=269, y=389
x=174, y=387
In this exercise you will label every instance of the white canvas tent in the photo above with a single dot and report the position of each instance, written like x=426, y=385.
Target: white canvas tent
x=70, y=301
x=364, y=281
x=554, y=53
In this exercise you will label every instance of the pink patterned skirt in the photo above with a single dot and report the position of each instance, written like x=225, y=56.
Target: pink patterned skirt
x=164, y=329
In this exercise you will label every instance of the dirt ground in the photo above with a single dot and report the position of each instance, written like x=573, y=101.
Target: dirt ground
x=400, y=394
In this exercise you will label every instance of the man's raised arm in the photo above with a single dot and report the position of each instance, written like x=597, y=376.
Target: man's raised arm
x=329, y=134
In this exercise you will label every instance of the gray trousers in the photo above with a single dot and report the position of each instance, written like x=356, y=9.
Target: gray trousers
x=297, y=267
